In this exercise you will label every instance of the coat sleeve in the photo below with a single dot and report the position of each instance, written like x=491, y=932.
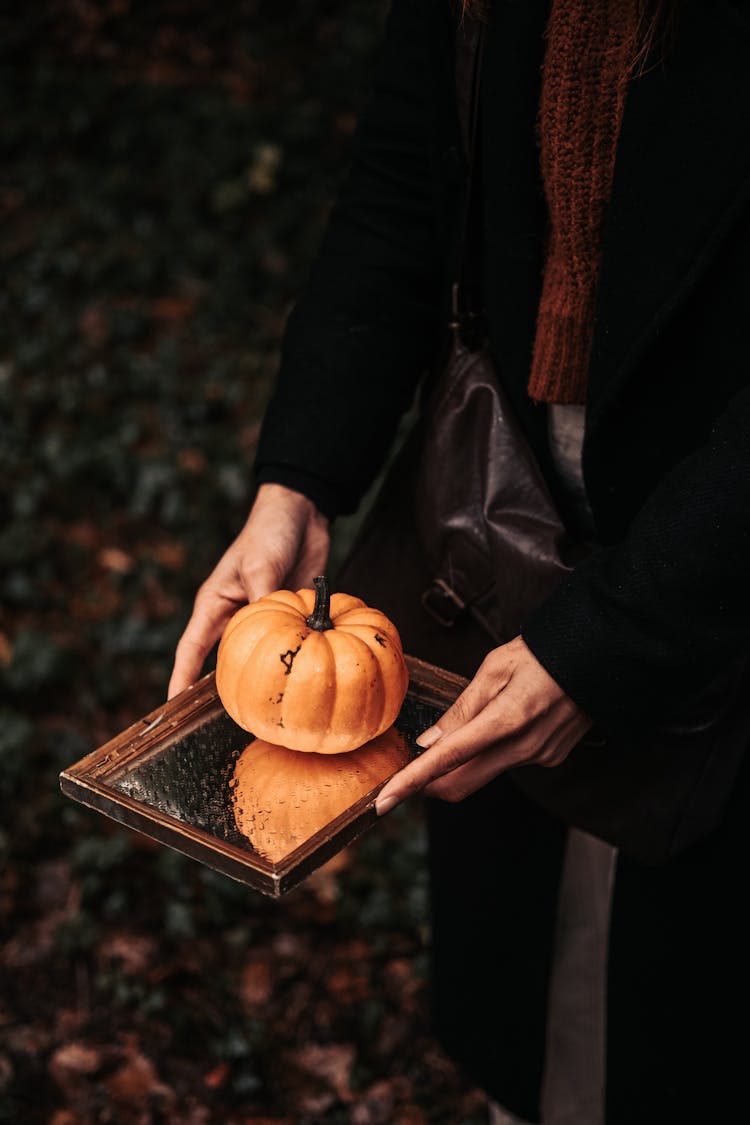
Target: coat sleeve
x=645, y=623
x=366, y=326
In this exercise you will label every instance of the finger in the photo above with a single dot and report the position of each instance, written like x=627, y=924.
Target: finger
x=472, y=775
x=488, y=682
x=499, y=719
x=201, y=633
x=258, y=578
x=313, y=560
x=188, y=662
x=445, y=755
x=548, y=744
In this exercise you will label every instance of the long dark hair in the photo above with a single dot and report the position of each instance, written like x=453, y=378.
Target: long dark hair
x=656, y=23
x=656, y=29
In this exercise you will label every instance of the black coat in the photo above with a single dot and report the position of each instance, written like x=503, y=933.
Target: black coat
x=643, y=624
x=667, y=450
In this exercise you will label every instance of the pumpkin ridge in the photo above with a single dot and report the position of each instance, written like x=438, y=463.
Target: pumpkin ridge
x=307, y=601
x=379, y=641
x=290, y=598
x=235, y=650
x=256, y=612
x=236, y=619
x=262, y=683
x=263, y=609
x=372, y=635
x=344, y=603
x=368, y=709
x=311, y=691
x=367, y=616
x=389, y=659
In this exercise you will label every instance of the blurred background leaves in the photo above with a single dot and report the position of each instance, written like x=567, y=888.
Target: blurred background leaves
x=165, y=170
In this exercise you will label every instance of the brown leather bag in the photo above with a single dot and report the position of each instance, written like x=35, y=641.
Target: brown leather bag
x=487, y=524
x=488, y=527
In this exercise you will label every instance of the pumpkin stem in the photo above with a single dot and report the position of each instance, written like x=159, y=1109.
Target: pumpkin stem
x=320, y=618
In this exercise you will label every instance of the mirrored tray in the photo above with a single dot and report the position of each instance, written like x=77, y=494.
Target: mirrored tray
x=174, y=776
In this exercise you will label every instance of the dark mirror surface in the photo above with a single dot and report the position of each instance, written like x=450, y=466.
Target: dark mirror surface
x=192, y=777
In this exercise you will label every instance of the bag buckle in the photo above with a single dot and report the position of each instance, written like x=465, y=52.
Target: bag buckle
x=443, y=603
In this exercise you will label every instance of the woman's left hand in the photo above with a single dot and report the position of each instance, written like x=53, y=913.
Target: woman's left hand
x=511, y=714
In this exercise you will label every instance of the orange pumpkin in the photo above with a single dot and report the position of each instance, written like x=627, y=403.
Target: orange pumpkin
x=282, y=797
x=312, y=672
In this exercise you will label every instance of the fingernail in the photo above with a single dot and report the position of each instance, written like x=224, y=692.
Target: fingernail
x=385, y=804
x=429, y=737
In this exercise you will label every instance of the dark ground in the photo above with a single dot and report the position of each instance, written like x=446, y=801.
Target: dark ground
x=165, y=169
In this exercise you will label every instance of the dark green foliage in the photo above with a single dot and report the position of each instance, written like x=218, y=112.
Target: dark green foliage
x=166, y=168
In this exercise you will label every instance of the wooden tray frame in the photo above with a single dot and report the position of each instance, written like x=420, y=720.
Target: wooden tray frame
x=89, y=781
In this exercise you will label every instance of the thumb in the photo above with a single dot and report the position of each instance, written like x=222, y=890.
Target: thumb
x=258, y=577
x=201, y=633
x=489, y=680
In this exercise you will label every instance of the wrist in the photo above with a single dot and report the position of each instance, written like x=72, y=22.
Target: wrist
x=325, y=496
x=277, y=496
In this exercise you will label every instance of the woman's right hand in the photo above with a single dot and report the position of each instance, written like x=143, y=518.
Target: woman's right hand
x=285, y=543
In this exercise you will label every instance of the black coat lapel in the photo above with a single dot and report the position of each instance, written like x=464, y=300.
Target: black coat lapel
x=682, y=173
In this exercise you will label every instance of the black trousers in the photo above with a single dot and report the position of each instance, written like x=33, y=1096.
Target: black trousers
x=678, y=997
x=677, y=1011
x=678, y=981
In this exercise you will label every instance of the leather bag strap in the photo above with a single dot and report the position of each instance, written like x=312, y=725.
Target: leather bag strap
x=466, y=301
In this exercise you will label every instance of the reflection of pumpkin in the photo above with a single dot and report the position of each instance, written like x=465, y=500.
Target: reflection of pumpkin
x=281, y=797
x=312, y=672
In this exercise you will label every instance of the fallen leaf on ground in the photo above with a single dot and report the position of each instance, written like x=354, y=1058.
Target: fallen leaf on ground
x=331, y=1064
x=136, y=1082
x=216, y=1078
x=376, y=1105
x=115, y=560
x=73, y=1061
x=136, y=952
x=66, y=1117
x=410, y=1115
x=256, y=984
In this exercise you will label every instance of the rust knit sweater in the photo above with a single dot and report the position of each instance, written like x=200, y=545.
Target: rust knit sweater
x=590, y=45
